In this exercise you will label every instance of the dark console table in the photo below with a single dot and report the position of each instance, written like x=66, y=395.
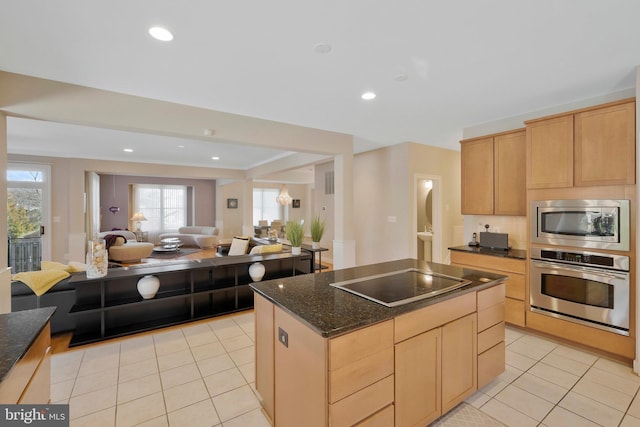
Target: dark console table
x=111, y=306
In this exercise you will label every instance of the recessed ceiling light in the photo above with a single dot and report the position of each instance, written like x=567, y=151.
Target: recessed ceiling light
x=128, y=150
x=367, y=96
x=161, y=34
x=215, y=158
x=322, y=48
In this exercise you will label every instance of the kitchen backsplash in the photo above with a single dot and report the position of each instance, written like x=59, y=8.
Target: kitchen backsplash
x=515, y=226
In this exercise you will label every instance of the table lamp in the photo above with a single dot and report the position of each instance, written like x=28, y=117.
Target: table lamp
x=138, y=217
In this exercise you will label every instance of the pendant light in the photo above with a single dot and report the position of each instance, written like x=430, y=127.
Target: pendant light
x=284, y=198
x=113, y=208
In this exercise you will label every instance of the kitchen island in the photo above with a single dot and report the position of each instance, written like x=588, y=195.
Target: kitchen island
x=325, y=356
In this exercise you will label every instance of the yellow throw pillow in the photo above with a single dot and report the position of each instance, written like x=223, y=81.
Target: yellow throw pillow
x=266, y=249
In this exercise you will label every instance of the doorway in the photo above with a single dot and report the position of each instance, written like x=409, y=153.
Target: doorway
x=427, y=213
x=28, y=215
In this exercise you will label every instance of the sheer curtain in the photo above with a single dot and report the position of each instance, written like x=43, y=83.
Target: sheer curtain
x=164, y=206
x=92, y=204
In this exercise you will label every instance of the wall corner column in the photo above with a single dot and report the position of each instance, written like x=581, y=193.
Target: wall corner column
x=344, y=244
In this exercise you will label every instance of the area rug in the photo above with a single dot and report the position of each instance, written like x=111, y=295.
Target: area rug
x=171, y=255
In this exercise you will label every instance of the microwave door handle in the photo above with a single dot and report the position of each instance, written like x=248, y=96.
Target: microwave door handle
x=580, y=269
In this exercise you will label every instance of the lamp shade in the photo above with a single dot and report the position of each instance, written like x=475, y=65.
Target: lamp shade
x=284, y=198
x=138, y=216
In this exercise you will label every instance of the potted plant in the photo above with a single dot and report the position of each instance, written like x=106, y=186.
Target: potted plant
x=317, y=230
x=295, y=232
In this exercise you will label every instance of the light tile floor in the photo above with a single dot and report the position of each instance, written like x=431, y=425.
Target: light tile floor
x=203, y=375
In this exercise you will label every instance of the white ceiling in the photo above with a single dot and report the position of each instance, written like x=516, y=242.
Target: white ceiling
x=467, y=62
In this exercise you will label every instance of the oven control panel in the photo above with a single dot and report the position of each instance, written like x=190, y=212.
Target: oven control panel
x=618, y=262
x=579, y=258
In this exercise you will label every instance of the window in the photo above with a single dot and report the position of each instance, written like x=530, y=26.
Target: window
x=164, y=206
x=265, y=205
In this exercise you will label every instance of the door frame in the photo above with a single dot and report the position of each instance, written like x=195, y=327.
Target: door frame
x=436, y=211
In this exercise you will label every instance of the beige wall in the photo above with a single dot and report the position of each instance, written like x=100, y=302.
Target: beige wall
x=384, y=191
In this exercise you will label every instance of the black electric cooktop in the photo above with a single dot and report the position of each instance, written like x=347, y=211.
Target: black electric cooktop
x=401, y=287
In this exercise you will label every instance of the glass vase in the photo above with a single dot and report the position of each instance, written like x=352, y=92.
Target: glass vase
x=97, y=259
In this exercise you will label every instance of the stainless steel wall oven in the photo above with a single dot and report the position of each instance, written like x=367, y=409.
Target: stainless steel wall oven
x=585, y=287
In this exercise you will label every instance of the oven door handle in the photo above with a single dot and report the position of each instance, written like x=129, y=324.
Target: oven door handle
x=604, y=273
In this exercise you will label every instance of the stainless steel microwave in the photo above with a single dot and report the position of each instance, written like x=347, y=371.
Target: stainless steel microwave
x=601, y=224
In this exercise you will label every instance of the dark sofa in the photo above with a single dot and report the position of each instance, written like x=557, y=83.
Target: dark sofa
x=62, y=296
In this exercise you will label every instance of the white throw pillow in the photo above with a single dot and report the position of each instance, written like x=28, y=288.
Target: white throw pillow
x=238, y=246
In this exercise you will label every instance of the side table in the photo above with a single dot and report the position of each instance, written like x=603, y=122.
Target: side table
x=141, y=236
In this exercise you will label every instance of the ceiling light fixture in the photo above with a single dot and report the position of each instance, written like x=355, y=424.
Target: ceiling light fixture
x=161, y=34
x=368, y=96
x=284, y=198
x=128, y=150
x=215, y=158
x=322, y=48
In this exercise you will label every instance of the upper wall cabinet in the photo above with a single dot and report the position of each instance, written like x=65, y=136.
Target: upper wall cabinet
x=590, y=147
x=605, y=146
x=493, y=177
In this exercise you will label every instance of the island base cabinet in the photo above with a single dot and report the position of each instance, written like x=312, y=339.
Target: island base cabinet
x=264, y=335
x=459, y=361
x=418, y=379
x=300, y=373
x=435, y=371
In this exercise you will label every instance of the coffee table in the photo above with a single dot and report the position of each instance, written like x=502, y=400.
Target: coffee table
x=171, y=244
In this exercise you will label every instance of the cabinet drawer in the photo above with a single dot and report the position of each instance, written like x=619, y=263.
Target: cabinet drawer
x=359, y=344
x=489, y=263
x=490, y=337
x=359, y=374
x=384, y=418
x=490, y=364
x=433, y=316
x=515, y=286
x=490, y=316
x=362, y=404
x=491, y=296
x=514, y=312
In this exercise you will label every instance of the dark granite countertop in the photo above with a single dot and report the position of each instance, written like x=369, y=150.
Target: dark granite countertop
x=18, y=331
x=331, y=311
x=511, y=253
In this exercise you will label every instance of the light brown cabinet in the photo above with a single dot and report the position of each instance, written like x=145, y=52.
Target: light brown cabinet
x=493, y=174
x=605, y=146
x=491, y=346
x=443, y=345
x=589, y=147
x=29, y=381
x=516, y=290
